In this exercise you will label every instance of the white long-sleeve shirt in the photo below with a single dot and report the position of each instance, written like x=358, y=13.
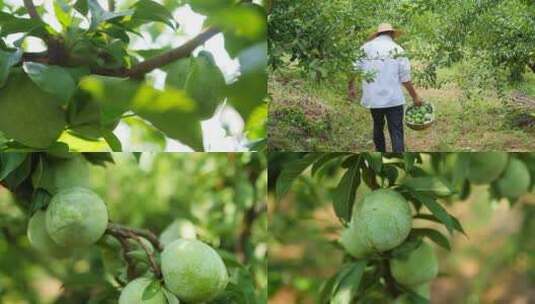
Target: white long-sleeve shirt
x=384, y=59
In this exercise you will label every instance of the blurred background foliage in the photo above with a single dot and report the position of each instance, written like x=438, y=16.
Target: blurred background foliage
x=213, y=192
x=494, y=263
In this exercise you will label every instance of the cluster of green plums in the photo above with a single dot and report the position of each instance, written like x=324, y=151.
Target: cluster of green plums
x=381, y=221
x=419, y=115
x=76, y=218
x=509, y=174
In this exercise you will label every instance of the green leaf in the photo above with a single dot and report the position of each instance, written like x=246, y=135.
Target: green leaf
x=10, y=24
x=62, y=10
x=40, y=200
x=112, y=140
x=177, y=73
x=99, y=15
x=428, y=184
x=208, y=6
x=243, y=26
x=349, y=283
x=151, y=290
x=375, y=161
x=82, y=144
x=20, y=174
x=146, y=11
x=99, y=159
x=9, y=162
x=433, y=235
x=171, y=298
x=326, y=157
x=250, y=89
x=52, y=79
x=81, y=6
x=7, y=60
x=29, y=115
x=433, y=218
x=171, y=111
x=436, y=209
x=291, y=171
x=345, y=192
x=409, y=160
x=205, y=84
x=326, y=290
x=115, y=95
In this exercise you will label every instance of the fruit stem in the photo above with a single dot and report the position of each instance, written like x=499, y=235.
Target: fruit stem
x=129, y=231
x=155, y=268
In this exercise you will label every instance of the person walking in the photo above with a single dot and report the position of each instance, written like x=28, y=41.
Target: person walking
x=385, y=61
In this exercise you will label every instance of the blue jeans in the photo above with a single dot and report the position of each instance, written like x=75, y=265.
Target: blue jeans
x=394, y=118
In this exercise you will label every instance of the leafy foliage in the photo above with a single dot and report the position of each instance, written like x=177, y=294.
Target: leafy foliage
x=428, y=181
x=215, y=198
x=94, y=79
x=323, y=38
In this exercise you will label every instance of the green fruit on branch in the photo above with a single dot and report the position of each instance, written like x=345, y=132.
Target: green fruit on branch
x=76, y=217
x=485, y=167
x=133, y=293
x=62, y=173
x=380, y=222
x=515, y=181
x=28, y=114
x=41, y=240
x=418, y=267
x=193, y=271
x=354, y=240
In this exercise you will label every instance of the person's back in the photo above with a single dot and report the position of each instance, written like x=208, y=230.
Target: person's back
x=384, y=59
x=390, y=69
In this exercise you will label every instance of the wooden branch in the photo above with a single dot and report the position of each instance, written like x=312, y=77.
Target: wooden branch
x=129, y=231
x=123, y=233
x=178, y=53
x=144, y=67
x=30, y=7
x=152, y=260
x=130, y=263
x=111, y=5
x=250, y=216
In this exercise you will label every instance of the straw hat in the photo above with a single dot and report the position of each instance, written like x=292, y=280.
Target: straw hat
x=385, y=27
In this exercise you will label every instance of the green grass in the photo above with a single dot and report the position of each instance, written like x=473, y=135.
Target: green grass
x=309, y=116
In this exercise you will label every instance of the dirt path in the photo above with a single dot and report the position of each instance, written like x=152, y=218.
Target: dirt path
x=316, y=119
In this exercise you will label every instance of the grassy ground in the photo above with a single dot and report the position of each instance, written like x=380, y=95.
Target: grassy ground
x=306, y=116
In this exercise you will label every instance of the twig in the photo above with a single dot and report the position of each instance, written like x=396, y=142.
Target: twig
x=144, y=67
x=150, y=255
x=389, y=280
x=173, y=55
x=123, y=233
x=130, y=263
x=111, y=5
x=127, y=231
x=30, y=7
x=250, y=216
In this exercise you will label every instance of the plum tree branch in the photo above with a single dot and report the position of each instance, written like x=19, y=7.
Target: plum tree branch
x=142, y=68
x=123, y=233
x=129, y=231
x=111, y=5
x=30, y=7
x=152, y=261
x=178, y=53
x=130, y=263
